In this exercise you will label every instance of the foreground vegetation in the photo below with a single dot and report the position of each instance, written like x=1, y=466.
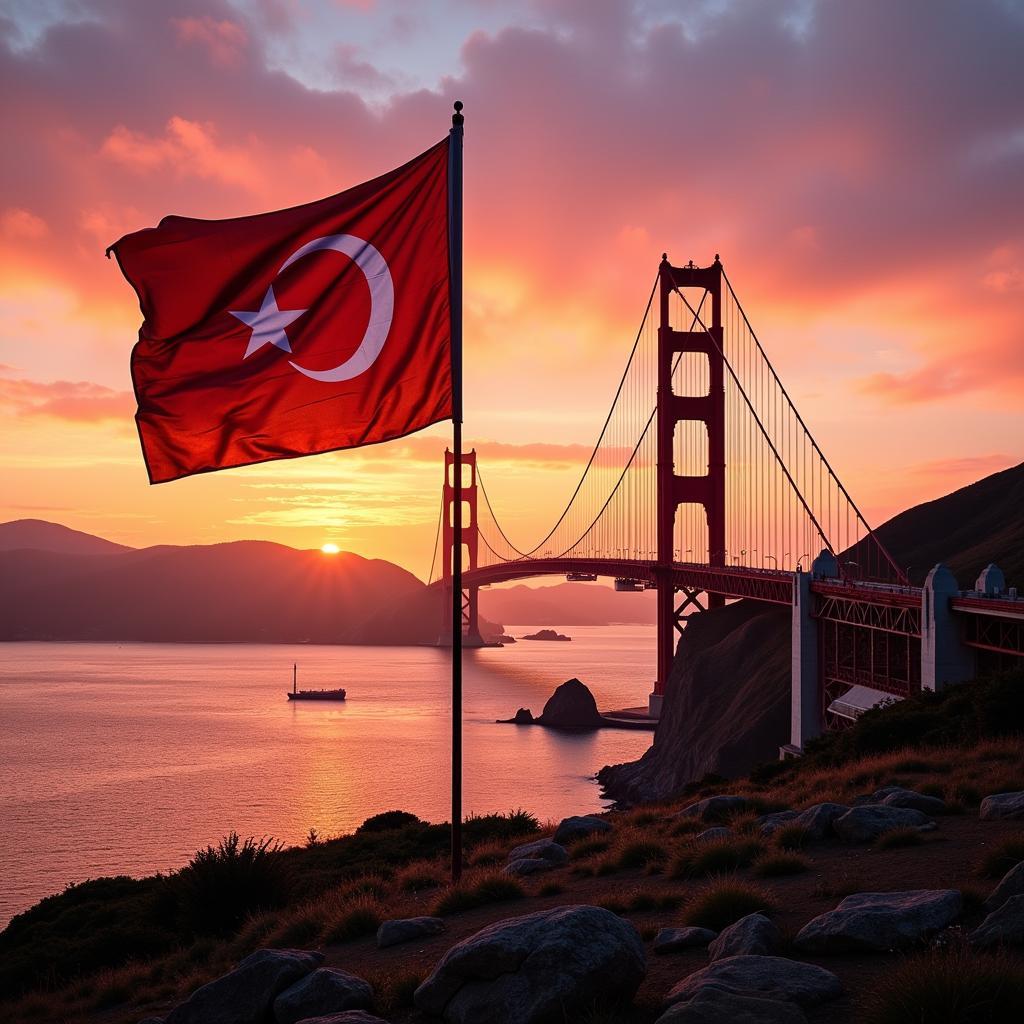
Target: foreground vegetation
x=118, y=945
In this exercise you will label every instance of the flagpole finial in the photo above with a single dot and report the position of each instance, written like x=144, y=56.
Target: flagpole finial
x=457, y=117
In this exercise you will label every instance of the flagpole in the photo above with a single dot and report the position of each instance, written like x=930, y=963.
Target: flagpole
x=455, y=295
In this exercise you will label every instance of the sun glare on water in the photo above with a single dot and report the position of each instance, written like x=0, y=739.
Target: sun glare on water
x=330, y=549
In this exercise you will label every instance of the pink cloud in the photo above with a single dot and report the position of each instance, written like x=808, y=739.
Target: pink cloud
x=224, y=40
x=17, y=224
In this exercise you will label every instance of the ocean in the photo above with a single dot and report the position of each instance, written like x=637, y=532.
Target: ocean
x=127, y=758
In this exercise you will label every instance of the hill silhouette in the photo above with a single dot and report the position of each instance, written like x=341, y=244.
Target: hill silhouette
x=43, y=536
x=728, y=698
x=567, y=604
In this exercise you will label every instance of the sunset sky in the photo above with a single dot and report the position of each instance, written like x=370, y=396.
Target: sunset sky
x=859, y=166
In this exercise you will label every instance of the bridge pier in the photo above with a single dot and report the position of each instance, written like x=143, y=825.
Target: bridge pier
x=945, y=658
x=806, y=712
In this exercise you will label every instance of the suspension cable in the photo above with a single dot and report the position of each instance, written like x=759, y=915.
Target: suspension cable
x=437, y=538
x=796, y=412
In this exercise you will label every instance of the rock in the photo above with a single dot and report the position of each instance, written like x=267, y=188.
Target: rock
x=347, y=1017
x=880, y=921
x=524, y=716
x=1002, y=805
x=714, y=808
x=669, y=940
x=528, y=866
x=545, y=849
x=246, y=994
x=713, y=1005
x=547, y=634
x=579, y=826
x=1003, y=927
x=713, y=834
x=750, y=935
x=773, y=977
x=897, y=796
x=571, y=706
x=771, y=823
x=407, y=929
x=550, y=965
x=326, y=990
x=1011, y=884
x=867, y=822
x=819, y=820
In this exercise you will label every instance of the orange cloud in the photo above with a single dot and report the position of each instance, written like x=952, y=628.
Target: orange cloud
x=17, y=224
x=188, y=148
x=76, y=401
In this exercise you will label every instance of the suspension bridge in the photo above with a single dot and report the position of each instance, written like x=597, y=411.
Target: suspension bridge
x=706, y=484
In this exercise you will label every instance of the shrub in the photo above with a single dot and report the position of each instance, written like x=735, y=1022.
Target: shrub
x=1001, y=858
x=703, y=859
x=777, y=865
x=491, y=888
x=587, y=848
x=954, y=986
x=478, y=829
x=640, y=853
x=723, y=902
x=416, y=878
x=790, y=837
x=361, y=916
x=388, y=821
x=898, y=837
x=223, y=885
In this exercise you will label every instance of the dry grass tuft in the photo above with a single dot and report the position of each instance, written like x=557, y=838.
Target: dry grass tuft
x=722, y=902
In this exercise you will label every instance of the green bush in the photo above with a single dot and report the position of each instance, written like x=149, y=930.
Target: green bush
x=222, y=885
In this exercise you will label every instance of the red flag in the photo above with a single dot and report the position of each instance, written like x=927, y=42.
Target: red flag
x=307, y=330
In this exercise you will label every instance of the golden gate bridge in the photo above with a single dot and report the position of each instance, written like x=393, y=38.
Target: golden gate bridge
x=706, y=484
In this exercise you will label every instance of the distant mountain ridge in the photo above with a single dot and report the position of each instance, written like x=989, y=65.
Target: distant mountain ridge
x=39, y=535
x=62, y=584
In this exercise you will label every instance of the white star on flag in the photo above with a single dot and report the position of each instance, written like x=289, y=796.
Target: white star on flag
x=268, y=324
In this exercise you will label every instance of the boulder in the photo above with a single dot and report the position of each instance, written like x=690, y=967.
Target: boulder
x=347, y=1017
x=880, y=921
x=713, y=834
x=819, y=820
x=579, y=826
x=528, y=866
x=1003, y=927
x=771, y=823
x=715, y=808
x=246, y=994
x=407, y=929
x=897, y=796
x=1011, y=884
x=545, y=849
x=671, y=940
x=866, y=823
x=550, y=965
x=773, y=977
x=326, y=990
x=1002, y=805
x=524, y=716
x=750, y=935
x=571, y=706
x=713, y=1005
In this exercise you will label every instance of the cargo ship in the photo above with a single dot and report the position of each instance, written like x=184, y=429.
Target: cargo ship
x=297, y=694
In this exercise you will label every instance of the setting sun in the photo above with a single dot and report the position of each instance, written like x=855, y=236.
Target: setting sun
x=330, y=549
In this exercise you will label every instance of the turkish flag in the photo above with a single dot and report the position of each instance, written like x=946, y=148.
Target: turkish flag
x=307, y=330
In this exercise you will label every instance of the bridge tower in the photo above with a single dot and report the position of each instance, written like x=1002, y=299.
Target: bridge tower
x=674, y=490
x=471, y=545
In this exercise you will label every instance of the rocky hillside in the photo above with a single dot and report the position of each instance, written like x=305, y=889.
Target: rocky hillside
x=727, y=706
